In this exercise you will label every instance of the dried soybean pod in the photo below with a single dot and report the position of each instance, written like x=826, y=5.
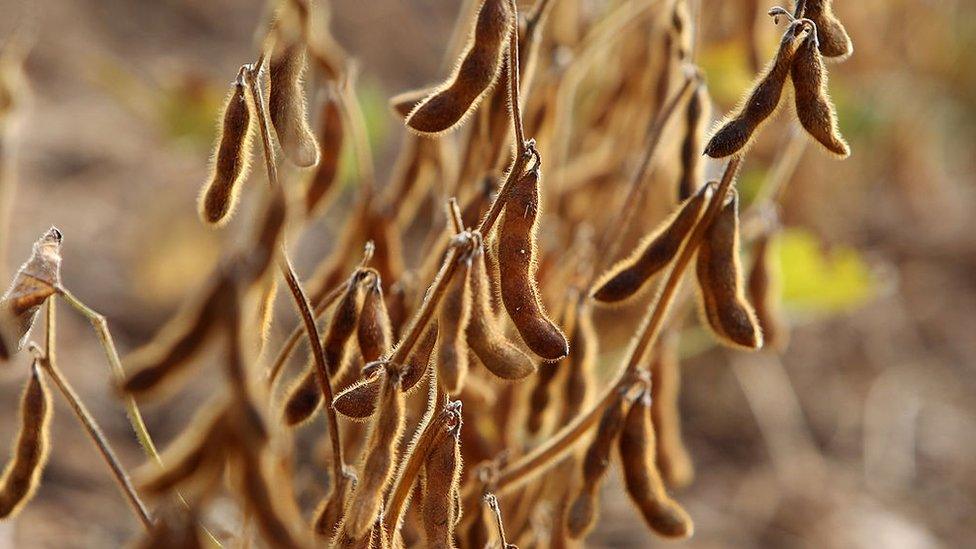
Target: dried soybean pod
x=517, y=263
x=719, y=276
x=287, y=107
x=273, y=516
x=232, y=158
x=478, y=69
x=442, y=473
x=453, y=316
x=761, y=101
x=358, y=401
x=23, y=472
x=194, y=455
x=499, y=355
x=303, y=397
x=641, y=478
x=583, y=511
x=697, y=115
x=36, y=280
x=673, y=460
x=541, y=393
x=403, y=103
x=834, y=42
x=813, y=107
x=419, y=359
x=581, y=361
x=343, y=324
x=331, y=136
x=374, y=332
x=379, y=459
x=654, y=253
x=176, y=344
x=763, y=291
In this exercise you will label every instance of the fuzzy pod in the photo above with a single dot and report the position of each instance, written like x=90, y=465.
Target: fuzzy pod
x=672, y=457
x=480, y=64
x=763, y=292
x=641, y=478
x=832, y=37
x=654, y=253
x=30, y=452
x=322, y=184
x=231, y=160
x=276, y=519
x=404, y=103
x=761, y=101
x=358, y=401
x=288, y=108
x=499, y=355
x=720, y=287
x=583, y=511
x=697, y=115
x=195, y=458
x=580, y=366
x=453, y=316
x=181, y=339
x=442, y=473
x=418, y=361
x=517, y=264
x=344, y=321
x=374, y=332
x=814, y=109
x=303, y=398
x=36, y=280
x=378, y=462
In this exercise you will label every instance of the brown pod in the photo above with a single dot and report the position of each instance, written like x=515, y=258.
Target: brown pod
x=405, y=102
x=697, y=115
x=478, y=69
x=343, y=324
x=673, y=460
x=197, y=455
x=273, y=515
x=320, y=187
x=583, y=511
x=442, y=473
x=453, y=316
x=499, y=355
x=418, y=361
x=36, y=280
x=832, y=36
x=287, y=107
x=641, y=478
x=813, y=106
x=231, y=160
x=719, y=276
x=176, y=344
x=580, y=365
x=517, y=264
x=23, y=472
x=654, y=253
x=358, y=401
x=374, y=332
x=328, y=515
x=761, y=101
x=303, y=398
x=762, y=289
x=378, y=461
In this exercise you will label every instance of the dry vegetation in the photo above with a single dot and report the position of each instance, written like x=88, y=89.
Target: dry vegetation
x=490, y=349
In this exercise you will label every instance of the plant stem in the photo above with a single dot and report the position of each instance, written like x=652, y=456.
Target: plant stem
x=49, y=365
x=546, y=455
x=108, y=345
x=492, y=503
x=294, y=285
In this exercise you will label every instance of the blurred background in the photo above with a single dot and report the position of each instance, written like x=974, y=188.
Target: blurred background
x=861, y=435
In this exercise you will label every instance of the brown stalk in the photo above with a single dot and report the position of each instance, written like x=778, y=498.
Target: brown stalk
x=294, y=285
x=46, y=358
x=546, y=455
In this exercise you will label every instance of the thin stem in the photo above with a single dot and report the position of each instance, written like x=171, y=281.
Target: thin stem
x=454, y=213
x=294, y=285
x=47, y=361
x=492, y=503
x=546, y=455
x=108, y=345
x=513, y=80
x=611, y=240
